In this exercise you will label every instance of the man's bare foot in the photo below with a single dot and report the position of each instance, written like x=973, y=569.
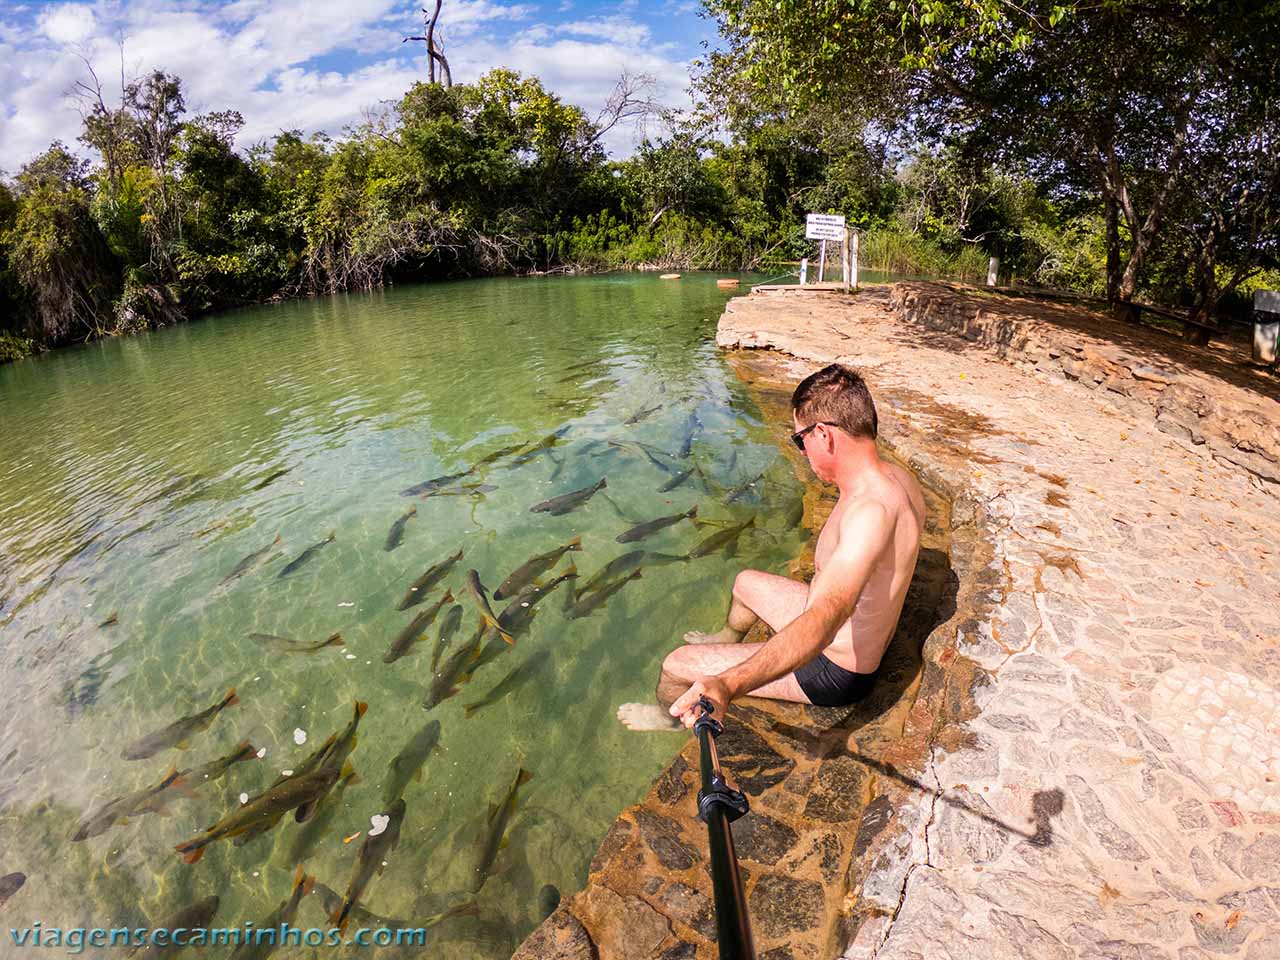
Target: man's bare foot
x=647, y=716
x=723, y=636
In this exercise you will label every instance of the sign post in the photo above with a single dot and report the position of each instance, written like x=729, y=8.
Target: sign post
x=823, y=227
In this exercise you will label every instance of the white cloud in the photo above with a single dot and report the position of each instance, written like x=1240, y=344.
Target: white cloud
x=68, y=22
x=621, y=30
x=260, y=57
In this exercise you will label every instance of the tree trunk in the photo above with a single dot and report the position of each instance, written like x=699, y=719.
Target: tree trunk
x=431, y=42
x=1112, y=221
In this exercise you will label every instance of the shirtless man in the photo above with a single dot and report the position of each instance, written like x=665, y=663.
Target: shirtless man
x=830, y=634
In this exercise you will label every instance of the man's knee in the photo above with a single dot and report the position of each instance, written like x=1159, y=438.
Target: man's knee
x=678, y=665
x=747, y=586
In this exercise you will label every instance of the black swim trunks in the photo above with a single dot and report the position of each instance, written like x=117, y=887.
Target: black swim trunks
x=828, y=684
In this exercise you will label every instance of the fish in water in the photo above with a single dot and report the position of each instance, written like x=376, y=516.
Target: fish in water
x=430, y=486
x=111, y=621
x=191, y=918
x=83, y=691
x=407, y=764
x=532, y=568
x=519, y=612
x=495, y=830
x=410, y=634
x=215, y=769
x=396, y=534
x=274, y=476
x=332, y=901
x=452, y=620
x=692, y=426
x=10, y=884
x=651, y=453
x=642, y=530
x=643, y=414
x=310, y=833
x=567, y=502
x=548, y=900
x=417, y=591
x=249, y=562
x=624, y=564
x=455, y=670
x=480, y=596
x=285, y=913
x=517, y=678
x=542, y=446
x=333, y=753
x=742, y=489
x=306, y=555
x=499, y=454
x=598, y=598
x=178, y=733
x=264, y=811
x=679, y=479
x=371, y=860
x=152, y=799
x=722, y=539
x=296, y=646
x=477, y=490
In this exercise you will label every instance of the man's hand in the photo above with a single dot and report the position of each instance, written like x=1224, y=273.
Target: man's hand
x=713, y=688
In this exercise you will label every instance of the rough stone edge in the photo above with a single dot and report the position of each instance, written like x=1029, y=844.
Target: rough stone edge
x=1173, y=403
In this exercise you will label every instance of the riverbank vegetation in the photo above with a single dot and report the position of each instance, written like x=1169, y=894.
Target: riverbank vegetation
x=1118, y=150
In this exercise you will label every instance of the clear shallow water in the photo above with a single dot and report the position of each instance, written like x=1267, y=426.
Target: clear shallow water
x=136, y=474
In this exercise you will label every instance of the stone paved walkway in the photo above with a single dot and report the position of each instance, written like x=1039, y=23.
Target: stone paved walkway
x=1118, y=793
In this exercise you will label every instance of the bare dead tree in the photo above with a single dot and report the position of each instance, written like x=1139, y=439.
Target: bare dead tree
x=106, y=129
x=631, y=100
x=435, y=52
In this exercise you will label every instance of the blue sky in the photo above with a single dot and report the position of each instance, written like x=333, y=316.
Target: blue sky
x=321, y=64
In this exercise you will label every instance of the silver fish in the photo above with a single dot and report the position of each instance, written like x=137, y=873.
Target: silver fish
x=249, y=562
x=305, y=555
x=642, y=530
x=407, y=764
x=531, y=568
x=410, y=634
x=567, y=502
x=417, y=591
x=396, y=534
x=177, y=733
x=495, y=830
x=371, y=860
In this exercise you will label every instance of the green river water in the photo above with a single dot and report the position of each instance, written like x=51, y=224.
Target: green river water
x=136, y=474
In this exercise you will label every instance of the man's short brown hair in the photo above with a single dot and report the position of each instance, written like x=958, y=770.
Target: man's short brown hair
x=838, y=396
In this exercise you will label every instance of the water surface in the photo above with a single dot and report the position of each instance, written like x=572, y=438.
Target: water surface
x=136, y=474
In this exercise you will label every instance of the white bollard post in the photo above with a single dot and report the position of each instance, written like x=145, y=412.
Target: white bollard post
x=853, y=258
x=844, y=259
x=804, y=270
x=993, y=271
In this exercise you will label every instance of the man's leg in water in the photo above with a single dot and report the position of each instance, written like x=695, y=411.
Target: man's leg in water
x=756, y=596
x=686, y=664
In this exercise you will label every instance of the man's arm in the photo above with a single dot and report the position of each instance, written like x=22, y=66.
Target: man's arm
x=865, y=532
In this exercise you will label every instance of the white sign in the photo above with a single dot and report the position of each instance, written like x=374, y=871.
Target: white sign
x=824, y=226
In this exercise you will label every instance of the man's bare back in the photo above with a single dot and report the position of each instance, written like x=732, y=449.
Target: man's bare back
x=831, y=634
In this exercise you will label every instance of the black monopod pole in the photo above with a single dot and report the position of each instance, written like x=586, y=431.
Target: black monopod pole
x=718, y=806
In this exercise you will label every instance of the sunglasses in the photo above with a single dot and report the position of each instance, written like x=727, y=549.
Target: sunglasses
x=798, y=437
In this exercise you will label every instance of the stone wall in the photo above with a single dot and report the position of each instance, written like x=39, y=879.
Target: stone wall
x=1222, y=409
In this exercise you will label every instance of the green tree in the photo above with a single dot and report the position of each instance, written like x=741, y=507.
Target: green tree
x=57, y=251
